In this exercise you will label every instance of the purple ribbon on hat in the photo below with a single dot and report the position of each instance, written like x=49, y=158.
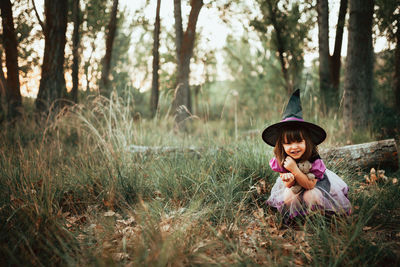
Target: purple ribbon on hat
x=292, y=119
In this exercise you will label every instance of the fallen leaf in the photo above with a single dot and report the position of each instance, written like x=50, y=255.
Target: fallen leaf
x=120, y=256
x=259, y=190
x=109, y=213
x=128, y=221
x=299, y=262
x=259, y=213
x=263, y=186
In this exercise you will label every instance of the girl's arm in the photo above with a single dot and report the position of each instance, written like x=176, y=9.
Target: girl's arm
x=299, y=176
x=303, y=180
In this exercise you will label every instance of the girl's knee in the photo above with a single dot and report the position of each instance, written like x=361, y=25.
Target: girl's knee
x=289, y=197
x=312, y=197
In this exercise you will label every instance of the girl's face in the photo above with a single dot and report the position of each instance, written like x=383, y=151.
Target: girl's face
x=294, y=149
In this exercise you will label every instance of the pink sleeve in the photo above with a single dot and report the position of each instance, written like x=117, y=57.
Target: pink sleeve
x=318, y=168
x=275, y=165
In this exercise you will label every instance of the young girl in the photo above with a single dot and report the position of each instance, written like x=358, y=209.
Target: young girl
x=296, y=140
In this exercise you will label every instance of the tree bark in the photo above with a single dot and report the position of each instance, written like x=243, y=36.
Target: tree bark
x=156, y=63
x=396, y=80
x=111, y=31
x=329, y=65
x=75, y=50
x=335, y=59
x=13, y=93
x=3, y=89
x=181, y=104
x=52, y=83
x=323, y=49
x=280, y=46
x=380, y=154
x=359, y=65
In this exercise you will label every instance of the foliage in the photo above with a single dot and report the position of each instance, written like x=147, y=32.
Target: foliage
x=95, y=18
x=387, y=18
x=24, y=30
x=253, y=70
x=285, y=25
x=120, y=56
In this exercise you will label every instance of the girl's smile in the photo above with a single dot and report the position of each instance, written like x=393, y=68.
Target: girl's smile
x=295, y=149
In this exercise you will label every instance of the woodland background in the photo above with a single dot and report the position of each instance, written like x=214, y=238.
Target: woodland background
x=142, y=145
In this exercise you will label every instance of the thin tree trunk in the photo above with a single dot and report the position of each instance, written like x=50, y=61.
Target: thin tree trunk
x=184, y=48
x=396, y=79
x=281, y=47
x=329, y=66
x=180, y=92
x=86, y=67
x=75, y=50
x=359, y=64
x=335, y=59
x=156, y=63
x=111, y=30
x=178, y=30
x=52, y=83
x=3, y=89
x=323, y=48
x=13, y=93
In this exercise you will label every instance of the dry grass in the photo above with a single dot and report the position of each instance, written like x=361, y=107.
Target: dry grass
x=74, y=194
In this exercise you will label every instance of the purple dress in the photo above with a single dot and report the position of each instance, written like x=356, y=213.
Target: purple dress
x=330, y=192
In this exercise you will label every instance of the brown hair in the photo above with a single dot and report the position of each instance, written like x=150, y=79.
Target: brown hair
x=291, y=134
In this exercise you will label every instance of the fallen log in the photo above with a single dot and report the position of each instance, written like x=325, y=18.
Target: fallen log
x=159, y=149
x=379, y=155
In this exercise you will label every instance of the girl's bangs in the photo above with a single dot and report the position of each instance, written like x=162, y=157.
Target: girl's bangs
x=292, y=135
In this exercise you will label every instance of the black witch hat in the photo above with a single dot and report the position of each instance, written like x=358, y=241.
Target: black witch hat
x=293, y=116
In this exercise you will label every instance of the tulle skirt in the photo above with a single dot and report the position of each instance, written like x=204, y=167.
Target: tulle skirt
x=329, y=194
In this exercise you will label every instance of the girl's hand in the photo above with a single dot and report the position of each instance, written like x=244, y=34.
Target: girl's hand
x=287, y=177
x=289, y=164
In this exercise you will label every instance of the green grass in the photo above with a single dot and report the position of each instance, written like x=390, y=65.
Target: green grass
x=60, y=181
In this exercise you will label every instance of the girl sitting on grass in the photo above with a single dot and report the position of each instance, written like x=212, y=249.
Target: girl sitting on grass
x=295, y=141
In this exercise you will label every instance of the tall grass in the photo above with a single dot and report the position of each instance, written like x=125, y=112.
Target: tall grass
x=75, y=193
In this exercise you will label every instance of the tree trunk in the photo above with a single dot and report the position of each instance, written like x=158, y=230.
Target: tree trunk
x=75, y=50
x=111, y=30
x=52, y=83
x=156, y=63
x=323, y=48
x=329, y=66
x=359, y=64
x=178, y=30
x=184, y=49
x=396, y=80
x=335, y=59
x=3, y=89
x=380, y=154
x=280, y=46
x=13, y=93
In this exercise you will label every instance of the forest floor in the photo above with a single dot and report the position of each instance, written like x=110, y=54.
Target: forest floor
x=75, y=194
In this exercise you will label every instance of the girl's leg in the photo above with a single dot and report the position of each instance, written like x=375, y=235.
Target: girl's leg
x=289, y=197
x=312, y=197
